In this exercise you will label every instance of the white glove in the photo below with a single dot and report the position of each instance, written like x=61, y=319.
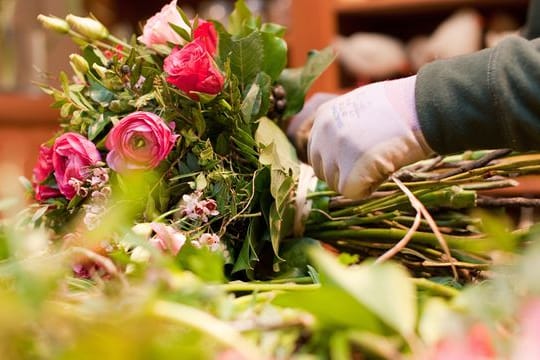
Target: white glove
x=360, y=138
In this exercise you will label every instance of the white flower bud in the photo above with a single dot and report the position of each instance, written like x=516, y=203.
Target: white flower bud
x=53, y=23
x=79, y=63
x=142, y=229
x=88, y=27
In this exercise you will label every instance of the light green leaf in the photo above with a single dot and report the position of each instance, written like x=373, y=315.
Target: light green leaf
x=282, y=156
x=240, y=19
x=384, y=289
x=332, y=307
x=298, y=81
x=249, y=102
x=434, y=320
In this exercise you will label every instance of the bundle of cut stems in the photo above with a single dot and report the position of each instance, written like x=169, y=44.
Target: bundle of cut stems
x=422, y=215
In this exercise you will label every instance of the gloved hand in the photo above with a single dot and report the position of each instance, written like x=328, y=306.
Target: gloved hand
x=360, y=138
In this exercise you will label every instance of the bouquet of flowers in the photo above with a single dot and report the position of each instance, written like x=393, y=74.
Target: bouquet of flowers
x=179, y=128
x=176, y=136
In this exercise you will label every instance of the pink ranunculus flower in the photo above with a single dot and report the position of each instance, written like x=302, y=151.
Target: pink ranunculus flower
x=72, y=154
x=206, y=34
x=140, y=141
x=157, y=30
x=192, y=69
x=42, y=170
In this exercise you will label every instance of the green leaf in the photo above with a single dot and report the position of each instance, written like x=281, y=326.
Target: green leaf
x=282, y=156
x=249, y=102
x=275, y=29
x=98, y=92
x=384, y=289
x=248, y=253
x=181, y=31
x=298, y=81
x=247, y=56
x=240, y=18
x=97, y=127
x=332, y=307
x=275, y=55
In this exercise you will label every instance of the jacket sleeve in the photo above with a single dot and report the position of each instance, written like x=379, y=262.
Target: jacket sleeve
x=486, y=100
x=531, y=30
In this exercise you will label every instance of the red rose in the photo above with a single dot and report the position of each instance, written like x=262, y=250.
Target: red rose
x=41, y=171
x=140, y=141
x=207, y=36
x=192, y=69
x=72, y=154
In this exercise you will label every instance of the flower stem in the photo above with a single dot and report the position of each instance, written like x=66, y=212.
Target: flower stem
x=257, y=286
x=439, y=289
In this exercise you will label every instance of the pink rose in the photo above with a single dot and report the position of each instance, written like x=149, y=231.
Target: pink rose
x=140, y=141
x=192, y=69
x=157, y=30
x=42, y=170
x=206, y=34
x=72, y=154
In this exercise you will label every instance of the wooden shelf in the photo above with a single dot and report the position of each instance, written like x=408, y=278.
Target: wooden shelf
x=316, y=23
x=405, y=6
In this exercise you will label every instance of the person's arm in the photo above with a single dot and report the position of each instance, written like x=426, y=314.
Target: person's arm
x=490, y=99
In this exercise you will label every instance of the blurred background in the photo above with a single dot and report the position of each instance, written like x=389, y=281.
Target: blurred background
x=374, y=40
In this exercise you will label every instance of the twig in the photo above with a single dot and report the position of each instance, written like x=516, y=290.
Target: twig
x=421, y=208
x=400, y=245
x=488, y=201
x=484, y=160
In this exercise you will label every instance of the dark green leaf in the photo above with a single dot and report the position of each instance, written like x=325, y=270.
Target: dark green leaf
x=275, y=55
x=247, y=56
x=248, y=253
x=98, y=92
x=97, y=126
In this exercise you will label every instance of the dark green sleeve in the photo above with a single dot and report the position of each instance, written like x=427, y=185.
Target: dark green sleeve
x=486, y=100
x=531, y=30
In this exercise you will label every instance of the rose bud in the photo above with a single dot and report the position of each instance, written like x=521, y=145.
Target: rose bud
x=54, y=23
x=158, y=31
x=88, y=27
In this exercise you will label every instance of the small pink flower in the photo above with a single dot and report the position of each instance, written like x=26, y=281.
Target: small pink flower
x=72, y=154
x=194, y=208
x=211, y=241
x=167, y=238
x=42, y=170
x=192, y=69
x=157, y=30
x=206, y=34
x=140, y=141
